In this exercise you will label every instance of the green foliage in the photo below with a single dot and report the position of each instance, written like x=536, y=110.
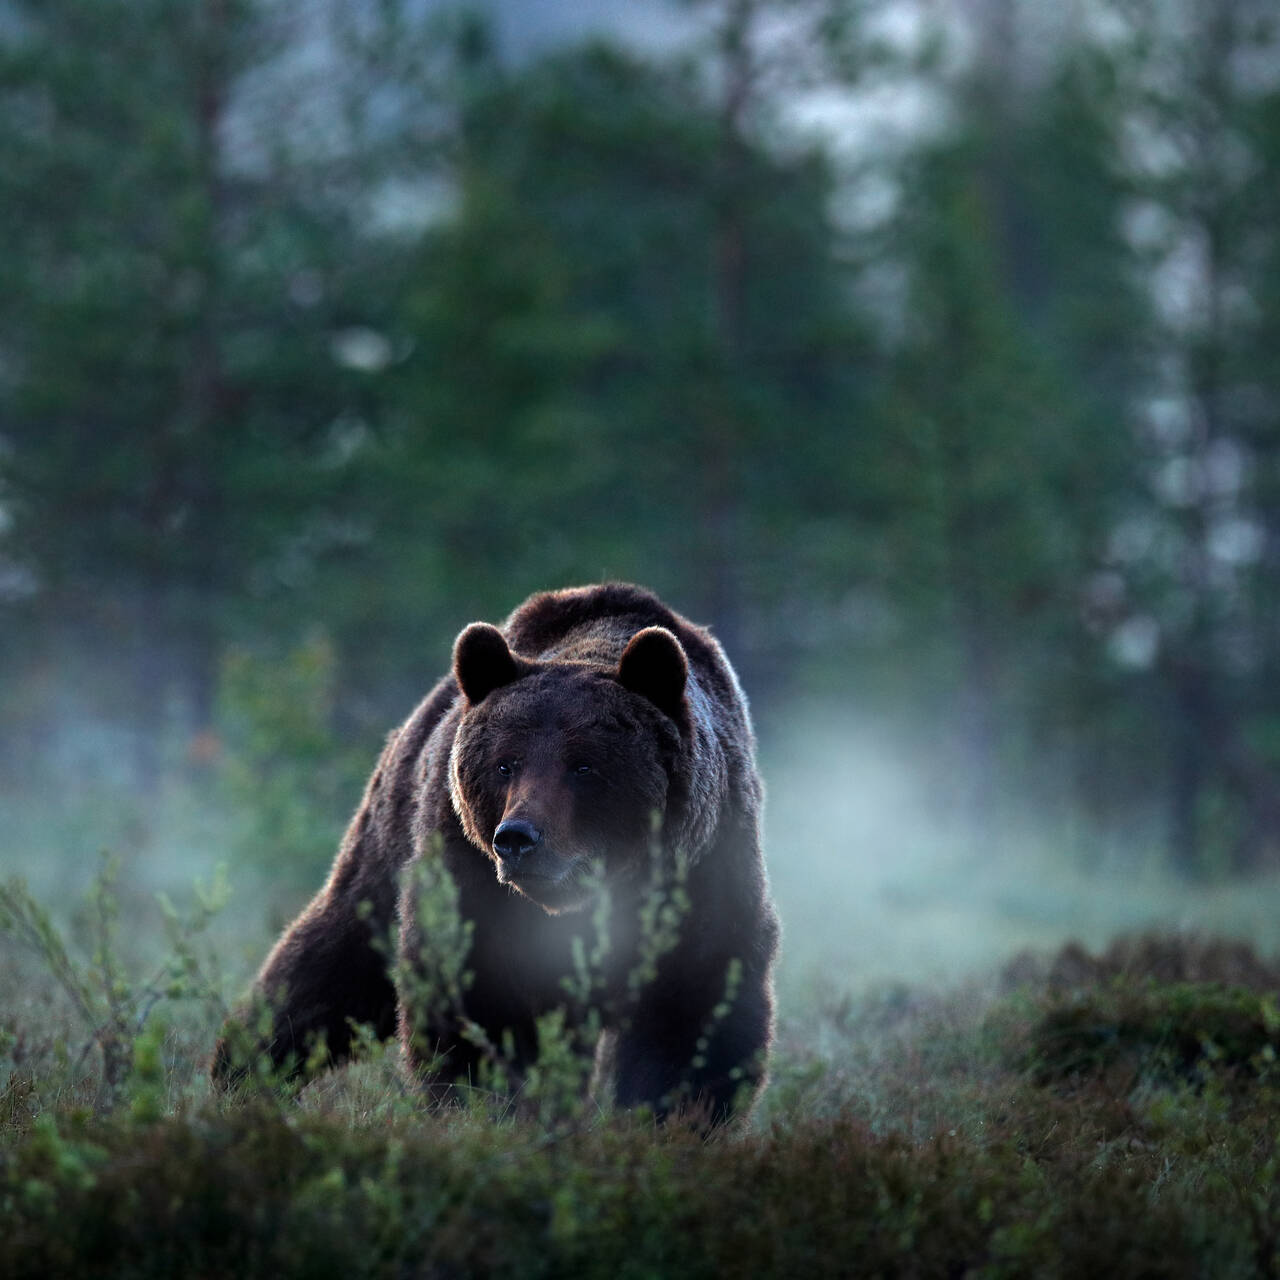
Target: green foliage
x=113, y=1006
x=1086, y=1123
x=430, y=977
x=664, y=906
x=1169, y=1033
x=1150, y=1012
x=1108, y=1115
x=1009, y=1179
x=381, y=336
x=163, y=395
x=283, y=768
x=566, y=1086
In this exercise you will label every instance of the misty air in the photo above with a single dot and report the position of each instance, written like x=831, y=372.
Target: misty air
x=639, y=639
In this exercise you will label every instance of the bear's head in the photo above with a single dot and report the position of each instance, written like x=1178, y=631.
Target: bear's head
x=560, y=766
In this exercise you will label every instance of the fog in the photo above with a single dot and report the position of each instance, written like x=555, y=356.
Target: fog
x=880, y=884
x=926, y=353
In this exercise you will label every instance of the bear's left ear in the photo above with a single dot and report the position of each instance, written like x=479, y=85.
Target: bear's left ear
x=482, y=662
x=654, y=665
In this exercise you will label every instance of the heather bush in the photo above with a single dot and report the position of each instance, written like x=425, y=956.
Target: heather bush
x=1109, y=1113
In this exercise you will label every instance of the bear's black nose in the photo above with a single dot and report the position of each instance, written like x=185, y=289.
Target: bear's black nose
x=514, y=838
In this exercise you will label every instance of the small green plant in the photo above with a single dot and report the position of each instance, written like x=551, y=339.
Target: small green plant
x=916, y=1143
x=283, y=767
x=664, y=907
x=567, y=1082
x=114, y=1008
x=1183, y=1031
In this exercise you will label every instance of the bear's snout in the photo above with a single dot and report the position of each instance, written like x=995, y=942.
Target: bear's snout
x=513, y=839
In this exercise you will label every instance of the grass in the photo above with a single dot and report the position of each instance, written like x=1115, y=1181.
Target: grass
x=992, y=1061
x=1078, y=1112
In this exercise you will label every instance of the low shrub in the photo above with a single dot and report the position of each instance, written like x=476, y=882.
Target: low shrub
x=1105, y=1115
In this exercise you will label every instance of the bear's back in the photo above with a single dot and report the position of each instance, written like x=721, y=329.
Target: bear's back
x=595, y=623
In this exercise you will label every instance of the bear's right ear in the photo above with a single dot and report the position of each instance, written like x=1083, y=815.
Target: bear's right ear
x=482, y=662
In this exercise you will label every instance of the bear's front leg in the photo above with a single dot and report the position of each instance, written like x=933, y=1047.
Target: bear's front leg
x=325, y=974
x=465, y=1016
x=694, y=1057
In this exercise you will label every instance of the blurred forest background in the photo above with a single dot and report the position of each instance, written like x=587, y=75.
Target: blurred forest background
x=930, y=352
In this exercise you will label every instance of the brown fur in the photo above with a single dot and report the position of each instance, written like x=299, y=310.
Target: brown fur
x=591, y=711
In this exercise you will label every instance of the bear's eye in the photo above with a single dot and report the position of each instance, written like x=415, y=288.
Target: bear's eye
x=506, y=767
x=582, y=770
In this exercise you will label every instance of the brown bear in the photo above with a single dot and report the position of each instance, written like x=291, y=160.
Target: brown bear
x=594, y=747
